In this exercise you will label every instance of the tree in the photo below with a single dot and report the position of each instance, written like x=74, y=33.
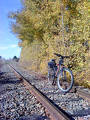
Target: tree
x=53, y=26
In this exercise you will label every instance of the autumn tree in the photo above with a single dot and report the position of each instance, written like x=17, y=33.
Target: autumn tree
x=47, y=26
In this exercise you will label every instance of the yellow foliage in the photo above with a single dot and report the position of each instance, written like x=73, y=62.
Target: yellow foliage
x=54, y=26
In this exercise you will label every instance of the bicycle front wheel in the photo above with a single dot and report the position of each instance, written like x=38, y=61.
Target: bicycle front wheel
x=65, y=80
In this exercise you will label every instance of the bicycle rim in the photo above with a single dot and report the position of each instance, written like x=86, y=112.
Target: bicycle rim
x=65, y=80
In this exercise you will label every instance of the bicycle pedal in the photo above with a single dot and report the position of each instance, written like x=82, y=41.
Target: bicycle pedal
x=54, y=83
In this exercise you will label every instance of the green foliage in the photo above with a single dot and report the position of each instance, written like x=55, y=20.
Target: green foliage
x=48, y=26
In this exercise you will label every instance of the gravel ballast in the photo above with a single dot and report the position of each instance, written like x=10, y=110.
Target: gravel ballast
x=71, y=102
x=16, y=102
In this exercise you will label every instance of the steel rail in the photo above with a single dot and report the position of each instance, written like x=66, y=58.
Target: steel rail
x=53, y=111
x=85, y=95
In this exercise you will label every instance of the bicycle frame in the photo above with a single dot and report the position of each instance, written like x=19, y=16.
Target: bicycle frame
x=59, y=66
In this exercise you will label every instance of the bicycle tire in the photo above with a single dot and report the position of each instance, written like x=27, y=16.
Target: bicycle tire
x=50, y=74
x=60, y=77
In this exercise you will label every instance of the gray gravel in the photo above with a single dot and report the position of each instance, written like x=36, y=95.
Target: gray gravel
x=70, y=102
x=16, y=103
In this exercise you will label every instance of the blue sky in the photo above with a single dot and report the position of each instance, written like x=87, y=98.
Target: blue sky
x=8, y=41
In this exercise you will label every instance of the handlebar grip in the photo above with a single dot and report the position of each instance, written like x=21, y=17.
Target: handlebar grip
x=57, y=54
x=66, y=56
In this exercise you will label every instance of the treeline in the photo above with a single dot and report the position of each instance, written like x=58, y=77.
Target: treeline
x=48, y=26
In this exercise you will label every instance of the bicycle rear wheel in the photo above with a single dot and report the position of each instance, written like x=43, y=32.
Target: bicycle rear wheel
x=65, y=80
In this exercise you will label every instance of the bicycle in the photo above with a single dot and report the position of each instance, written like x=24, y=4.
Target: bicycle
x=59, y=74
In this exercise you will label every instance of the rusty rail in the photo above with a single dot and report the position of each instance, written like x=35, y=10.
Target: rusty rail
x=83, y=94
x=54, y=112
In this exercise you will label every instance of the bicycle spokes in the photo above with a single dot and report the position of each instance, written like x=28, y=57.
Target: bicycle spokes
x=65, y=80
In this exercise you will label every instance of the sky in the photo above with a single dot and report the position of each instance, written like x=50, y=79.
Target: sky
x=8, y=41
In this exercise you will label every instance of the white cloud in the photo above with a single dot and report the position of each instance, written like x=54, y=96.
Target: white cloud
x=8, y=47
x=14, y=46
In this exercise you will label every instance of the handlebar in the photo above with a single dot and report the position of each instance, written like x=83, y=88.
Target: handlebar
x=61, y=56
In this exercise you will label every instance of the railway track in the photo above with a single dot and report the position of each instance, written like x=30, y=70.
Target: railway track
x=79, y=92
x=16, y=102
x=63, y=101
x=53, y=111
